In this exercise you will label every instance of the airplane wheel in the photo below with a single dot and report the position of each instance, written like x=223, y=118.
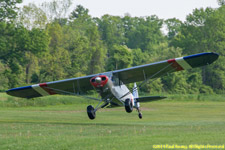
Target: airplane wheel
x=91, y=112
x=140, y=115
x=128, y=106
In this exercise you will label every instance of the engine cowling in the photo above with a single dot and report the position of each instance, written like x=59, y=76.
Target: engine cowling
x=99, y=81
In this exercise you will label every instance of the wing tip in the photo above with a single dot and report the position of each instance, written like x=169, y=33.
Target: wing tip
x=10, y=91
x=212, y=56
x=201, y=59
x=22, y=92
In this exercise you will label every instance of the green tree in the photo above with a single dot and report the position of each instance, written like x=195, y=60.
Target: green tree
x=19, y=50
x=120, y=57
x=15, y=73
x=173, y=27
x=112, y=30
x=98, y=51
x=3, y=78
x=162, y=51
x=86, y=29
x=214, y=75
x=8, y=9
x=6, y=38
x=139, y=58
x=31, y=66
x=77, y=45
x=145, y=34
x=192, y=37
x=55, y=62
x=57, y=10
x=31, y=16
x=221, y=2
x=204, y=31
x=79, y=12
x=154, y=87
x=176, y=83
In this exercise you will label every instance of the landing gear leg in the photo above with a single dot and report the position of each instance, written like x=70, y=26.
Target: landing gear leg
x=139, y=113
x=138, y=109
x=91, y=111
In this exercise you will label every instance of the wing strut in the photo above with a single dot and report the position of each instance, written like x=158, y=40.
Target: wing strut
x=147, y=79
x=70, y=93
x=137, y=105
x=135, y=88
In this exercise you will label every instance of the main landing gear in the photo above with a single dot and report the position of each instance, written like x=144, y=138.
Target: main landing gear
x=129, y=107
x=139, y=113
x=137, y=104
x=91, y=111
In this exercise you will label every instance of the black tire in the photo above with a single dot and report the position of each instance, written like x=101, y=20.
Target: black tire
x=140, y=115
x=91, y=112
x=128, y=105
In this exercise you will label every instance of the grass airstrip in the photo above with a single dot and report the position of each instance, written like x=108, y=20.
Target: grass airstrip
x=61, y=123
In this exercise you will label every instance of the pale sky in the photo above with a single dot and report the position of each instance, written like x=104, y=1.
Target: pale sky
x=164, y=9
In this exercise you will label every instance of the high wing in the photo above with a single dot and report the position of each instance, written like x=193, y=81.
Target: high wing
x=74, y=86
x=154, y=70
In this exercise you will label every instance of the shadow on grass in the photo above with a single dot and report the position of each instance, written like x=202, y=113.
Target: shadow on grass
x=71, y=123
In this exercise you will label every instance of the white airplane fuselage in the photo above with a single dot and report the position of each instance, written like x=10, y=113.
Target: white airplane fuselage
x=114, y=91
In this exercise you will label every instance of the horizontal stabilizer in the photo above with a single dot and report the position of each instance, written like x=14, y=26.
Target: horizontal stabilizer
x=149, y=98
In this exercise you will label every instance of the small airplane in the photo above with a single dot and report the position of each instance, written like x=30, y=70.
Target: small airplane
x=111, y=85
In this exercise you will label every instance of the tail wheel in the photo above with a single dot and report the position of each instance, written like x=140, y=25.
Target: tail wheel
x=128, y=105
x=140, y=115
x=91, y=112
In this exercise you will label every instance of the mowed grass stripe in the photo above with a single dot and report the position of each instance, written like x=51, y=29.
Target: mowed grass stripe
x=68, y=127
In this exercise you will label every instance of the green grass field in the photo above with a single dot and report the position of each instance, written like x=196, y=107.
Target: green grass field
x=61, y=123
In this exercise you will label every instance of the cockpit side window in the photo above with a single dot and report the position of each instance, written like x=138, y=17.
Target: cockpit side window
x=116, y=81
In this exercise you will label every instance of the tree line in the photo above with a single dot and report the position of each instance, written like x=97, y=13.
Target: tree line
x=43, y=43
